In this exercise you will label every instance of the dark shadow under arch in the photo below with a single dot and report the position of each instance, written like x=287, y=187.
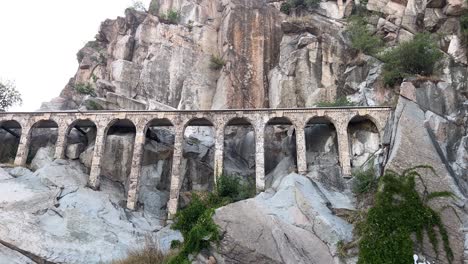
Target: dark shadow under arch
x=10, y=135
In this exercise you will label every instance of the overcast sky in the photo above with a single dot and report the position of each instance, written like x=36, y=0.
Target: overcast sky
x=39, y=41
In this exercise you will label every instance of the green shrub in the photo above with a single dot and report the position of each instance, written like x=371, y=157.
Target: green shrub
x=286, y=8
x=361, y=38
x=80, y=56
x=138, y=6
x=417, y=56
x=153, y=7
x=341, y=101
x=364, y=181
x=171, y=17
x=91, y=105
x=216, y=62
x=399, y=213
x=195, y=221
x=298, y=4
x=85, y=88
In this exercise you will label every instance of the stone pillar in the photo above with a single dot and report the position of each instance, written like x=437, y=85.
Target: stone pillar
x=61, y=142
x=23, y=147
x=134, y=178
x=260, y=157
x=219, y=151
x=99, y=145
x=343, y=149
x=175, y=174
x=301, y=149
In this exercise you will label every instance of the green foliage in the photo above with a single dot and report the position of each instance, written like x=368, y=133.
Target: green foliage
x=361, y=38
x=171, y=17
x=195, y=221
x=364, y=181
x=175, y=244
x=85, y=88
x=216, y=62
x=138, y=6
x=464, y=29
x=399, y=213
x=417, y=56
x=154, y=7
x=341, y=101
x=298, y=4
x=286, y=8
x=9, y=96
x=91, y=105
x=232, y=188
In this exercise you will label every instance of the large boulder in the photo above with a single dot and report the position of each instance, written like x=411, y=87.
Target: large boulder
x=117, y=157
x=63, y=221
x=43, y=157
x=413, y=145
x=290, y=224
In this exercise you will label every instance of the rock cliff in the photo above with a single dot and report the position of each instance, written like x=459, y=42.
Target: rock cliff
x=218, y=54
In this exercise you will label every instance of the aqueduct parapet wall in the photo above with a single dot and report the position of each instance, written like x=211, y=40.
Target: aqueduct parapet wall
x=258, y=118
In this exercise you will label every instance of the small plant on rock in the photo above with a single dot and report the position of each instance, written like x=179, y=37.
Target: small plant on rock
x=364, y=180
x=85, y=88
x=154, y=7
x=341, y=101
x=216, y=63
x=171, y=17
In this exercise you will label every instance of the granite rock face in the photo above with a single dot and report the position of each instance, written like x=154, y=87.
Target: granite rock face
x=65, y=222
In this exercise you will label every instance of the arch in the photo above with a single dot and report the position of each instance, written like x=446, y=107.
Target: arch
x=118, y=144
x=10, y=135
x=198, y=147
x=367, y=117
x=42, y=135
x=80, y=138
x=280, y=147
x=240, y=142
x=322, y=151
x=364, y=141
x=155, y=165
x=280, y=121
x=198, y=121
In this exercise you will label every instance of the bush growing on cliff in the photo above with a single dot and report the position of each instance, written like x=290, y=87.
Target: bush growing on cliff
x=464, y=28
x=418, y=56
x=399, y=213
x=216, y=63
x=85, y=88
x=341, y=101
x=361, y=37
x=195, y=221
x=171, y=17
x=298, y=4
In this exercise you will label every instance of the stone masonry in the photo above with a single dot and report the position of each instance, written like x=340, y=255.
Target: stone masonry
x=258, y=118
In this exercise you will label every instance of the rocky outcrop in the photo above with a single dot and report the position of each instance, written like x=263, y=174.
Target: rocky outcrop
x=292, y=223
x=65, y=222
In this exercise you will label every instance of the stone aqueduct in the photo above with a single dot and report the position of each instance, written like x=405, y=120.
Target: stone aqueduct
x=179, y=120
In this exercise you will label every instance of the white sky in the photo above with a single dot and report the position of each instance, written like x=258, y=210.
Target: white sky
x=39, y=40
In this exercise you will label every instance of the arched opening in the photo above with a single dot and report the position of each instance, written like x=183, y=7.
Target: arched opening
x=239, y=151
x=43, y=136
x=364, y=142
x=116, y=162
x=322, y=151
x=280, y=149
x=81, y=136
x=10, y=135
x=198, y=158
x=155, y=176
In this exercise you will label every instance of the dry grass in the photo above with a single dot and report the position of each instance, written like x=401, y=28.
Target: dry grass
x=147, y=255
